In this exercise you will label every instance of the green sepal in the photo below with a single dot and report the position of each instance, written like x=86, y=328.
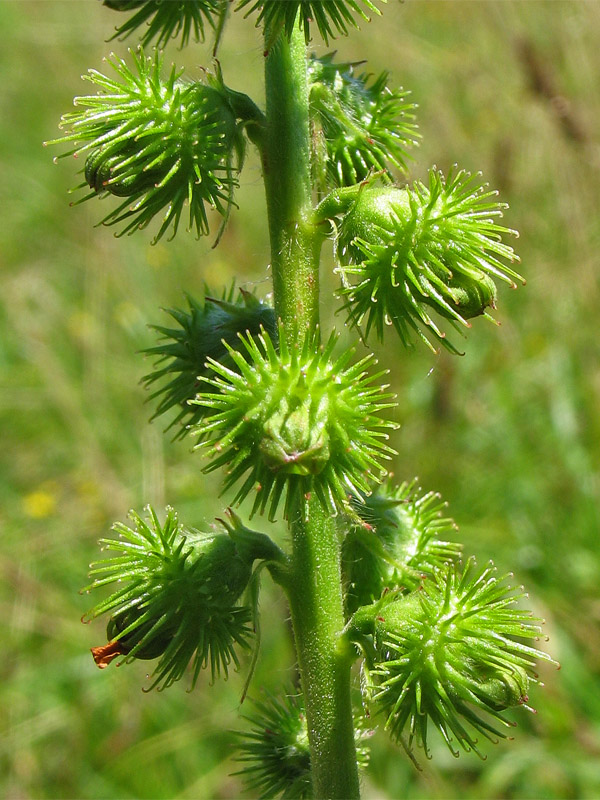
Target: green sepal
x=470, y=298
x=251, y=545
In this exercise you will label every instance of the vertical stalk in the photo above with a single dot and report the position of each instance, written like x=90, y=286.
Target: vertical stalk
x=286, y=168
x=315, y=589
x=316, y=605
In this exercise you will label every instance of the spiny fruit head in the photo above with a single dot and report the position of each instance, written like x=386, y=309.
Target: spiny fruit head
x=331, y=18
x=451, y=654
x=295, y=423
x=166, y=20
x=397, y=537
x=275, y=751
x=359, y=125
x=405, y=251
x=160, y=143
x=177, y=597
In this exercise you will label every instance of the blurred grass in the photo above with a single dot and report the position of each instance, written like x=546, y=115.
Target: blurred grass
x=509, y=434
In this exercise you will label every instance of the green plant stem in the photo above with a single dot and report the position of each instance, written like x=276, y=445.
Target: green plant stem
x=315, y=586
x=286, y=168
x=316, y=606
x=338, y=201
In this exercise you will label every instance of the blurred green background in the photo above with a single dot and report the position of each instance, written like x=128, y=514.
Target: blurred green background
x=510, y=434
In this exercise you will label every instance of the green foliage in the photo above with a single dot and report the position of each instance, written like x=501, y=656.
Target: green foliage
x=448, y=652
x=166, y=20
x=359, y=124
x=295, y=423
x=161, y=144
x=403, y=252
x=178, y=599
x=202, y=332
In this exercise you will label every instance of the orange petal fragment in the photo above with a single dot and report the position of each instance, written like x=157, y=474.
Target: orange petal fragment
x=104, y=654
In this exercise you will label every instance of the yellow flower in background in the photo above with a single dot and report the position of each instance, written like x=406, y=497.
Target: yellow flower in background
x=41, y=503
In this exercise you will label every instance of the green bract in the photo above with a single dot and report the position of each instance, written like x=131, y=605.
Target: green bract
x=358, y=124
x=160, y=144
x=450, y=653
x=166, y=19
x=331, y=17
x=178, y=597
x=295, y=423
x=276, y=753
x=405, y=252
x=398, y=541
x=200, y=335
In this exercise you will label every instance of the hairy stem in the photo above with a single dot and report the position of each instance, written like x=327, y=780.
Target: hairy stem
x=315, y=587
x=286, y=167
x=316, y=605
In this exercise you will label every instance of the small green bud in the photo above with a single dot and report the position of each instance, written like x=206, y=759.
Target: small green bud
x=403, y=252
x=148, y=647
x=102, y=173
x=506, y=690
x=96, y=171
x=471, y=296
